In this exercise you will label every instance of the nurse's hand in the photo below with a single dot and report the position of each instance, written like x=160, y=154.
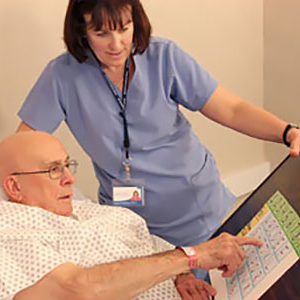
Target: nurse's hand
x=191, y=288
x=224, y=252
x=293, y=138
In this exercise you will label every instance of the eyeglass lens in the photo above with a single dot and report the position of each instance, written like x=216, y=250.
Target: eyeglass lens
x=56, y=172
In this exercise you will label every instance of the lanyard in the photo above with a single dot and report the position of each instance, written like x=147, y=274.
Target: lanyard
x=122, y=104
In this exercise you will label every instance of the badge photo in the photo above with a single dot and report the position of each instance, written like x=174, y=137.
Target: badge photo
x=128, y=193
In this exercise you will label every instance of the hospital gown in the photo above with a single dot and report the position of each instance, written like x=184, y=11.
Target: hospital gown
x=34, y=241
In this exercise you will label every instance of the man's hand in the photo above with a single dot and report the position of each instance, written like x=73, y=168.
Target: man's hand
x=224, y=252
x=191, y=288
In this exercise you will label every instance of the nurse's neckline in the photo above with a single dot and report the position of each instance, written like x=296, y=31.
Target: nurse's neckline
x=117, y=76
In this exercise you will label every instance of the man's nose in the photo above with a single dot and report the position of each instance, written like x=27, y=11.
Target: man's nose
x=68, y=177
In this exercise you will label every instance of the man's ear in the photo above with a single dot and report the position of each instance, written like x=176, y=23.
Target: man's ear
x=12, y=188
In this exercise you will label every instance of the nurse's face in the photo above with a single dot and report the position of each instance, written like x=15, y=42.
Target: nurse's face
x=111, y=46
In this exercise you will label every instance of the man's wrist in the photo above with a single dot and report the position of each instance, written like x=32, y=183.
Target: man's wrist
x=192, y=256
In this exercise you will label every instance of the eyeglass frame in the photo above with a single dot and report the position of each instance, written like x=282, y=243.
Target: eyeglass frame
x=72, y=162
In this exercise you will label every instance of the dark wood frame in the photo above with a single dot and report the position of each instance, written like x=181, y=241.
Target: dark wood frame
x=286, y=179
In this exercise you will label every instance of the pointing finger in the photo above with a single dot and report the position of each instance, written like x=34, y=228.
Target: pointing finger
x=248, y=240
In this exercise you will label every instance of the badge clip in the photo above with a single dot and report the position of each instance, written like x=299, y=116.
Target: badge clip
x=126, y=165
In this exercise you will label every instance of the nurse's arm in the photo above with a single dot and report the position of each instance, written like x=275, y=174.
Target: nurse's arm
x=230, y=110
x=24, y=127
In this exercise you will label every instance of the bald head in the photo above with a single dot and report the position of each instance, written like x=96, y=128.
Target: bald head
x=17, y=151
x=37, y=152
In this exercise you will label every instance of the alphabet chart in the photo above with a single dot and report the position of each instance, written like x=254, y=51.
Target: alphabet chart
x=278, y=225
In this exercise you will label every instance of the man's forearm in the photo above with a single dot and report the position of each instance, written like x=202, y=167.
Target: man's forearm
x=121, y=280
x=128, y=278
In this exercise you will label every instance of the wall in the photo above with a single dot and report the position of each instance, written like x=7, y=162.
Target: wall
x=226, y=37
x=281, y=65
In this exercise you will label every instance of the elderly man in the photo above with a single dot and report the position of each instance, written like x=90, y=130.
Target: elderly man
x=53, y=249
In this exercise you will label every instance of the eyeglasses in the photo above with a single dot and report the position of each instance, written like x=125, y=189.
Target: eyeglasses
x=55, y=172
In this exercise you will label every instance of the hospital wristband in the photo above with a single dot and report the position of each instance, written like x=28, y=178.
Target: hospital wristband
x=192, y=256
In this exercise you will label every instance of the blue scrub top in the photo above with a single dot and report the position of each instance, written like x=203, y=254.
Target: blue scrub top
x=185, y=199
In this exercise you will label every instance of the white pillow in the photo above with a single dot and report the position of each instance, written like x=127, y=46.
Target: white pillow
x=3, y=195
x=78, y=194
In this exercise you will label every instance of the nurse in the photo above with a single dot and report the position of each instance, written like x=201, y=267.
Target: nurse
x=120, y=90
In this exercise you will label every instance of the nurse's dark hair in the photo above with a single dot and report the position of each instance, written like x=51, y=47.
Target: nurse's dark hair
x=75, y=27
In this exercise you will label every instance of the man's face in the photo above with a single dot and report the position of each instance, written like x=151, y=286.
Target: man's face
x=40, y=190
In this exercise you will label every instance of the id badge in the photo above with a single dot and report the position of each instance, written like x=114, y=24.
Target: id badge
x=128, y=192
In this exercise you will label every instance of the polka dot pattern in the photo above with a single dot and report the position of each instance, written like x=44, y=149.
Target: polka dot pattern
x=34, y=241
